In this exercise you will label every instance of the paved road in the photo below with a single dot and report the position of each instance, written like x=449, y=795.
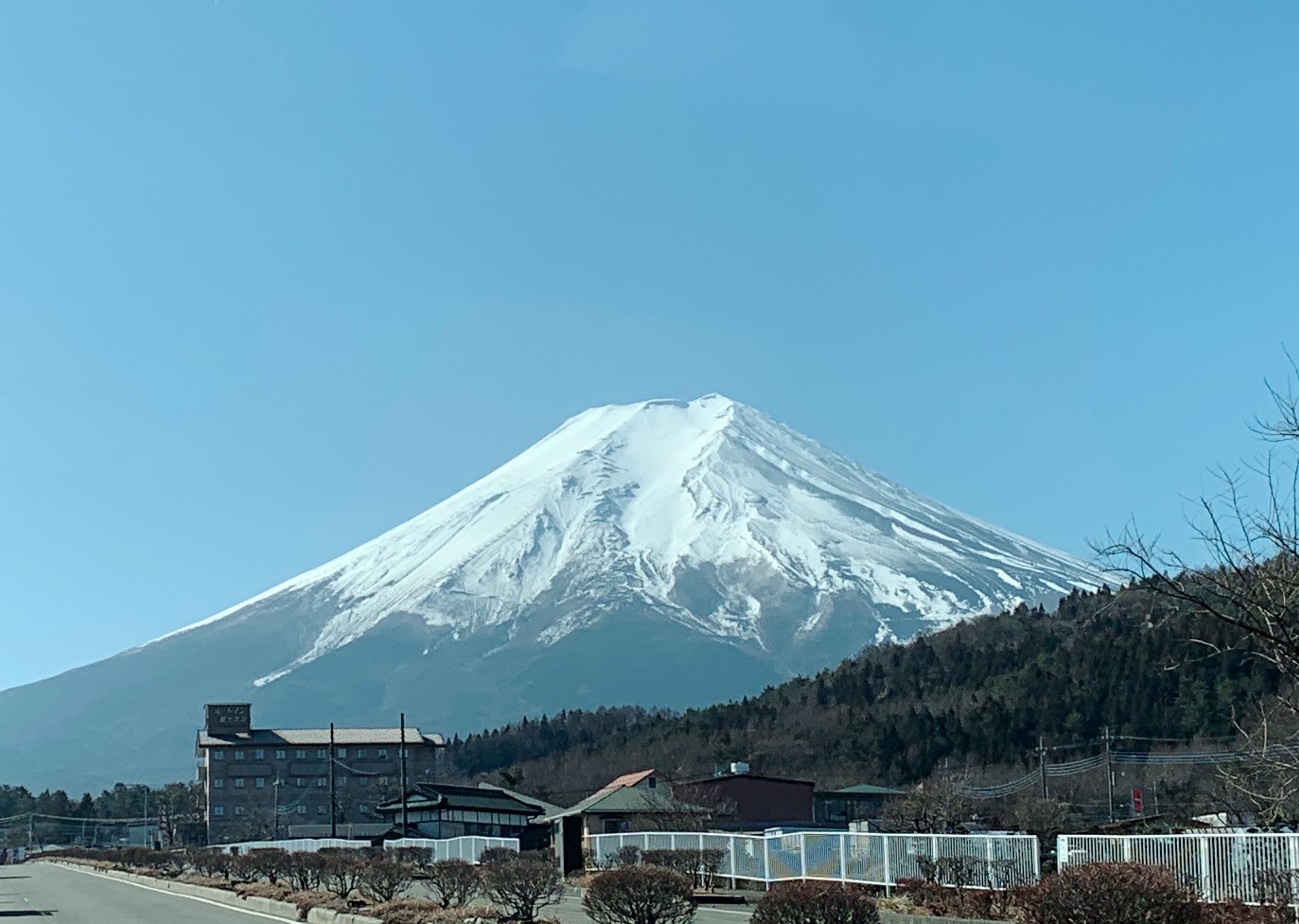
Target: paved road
x=69, y=896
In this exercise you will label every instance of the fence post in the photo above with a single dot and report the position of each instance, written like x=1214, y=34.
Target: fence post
x=988, y=867
x=1204, y=869
x=766, y=861
x=730, y=849
x=1292, y=842
x=888, y=875
x=843, y=857
x=802, y=856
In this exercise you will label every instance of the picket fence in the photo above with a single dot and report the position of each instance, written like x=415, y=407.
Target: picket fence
x=980, y=861
x=1254, y=868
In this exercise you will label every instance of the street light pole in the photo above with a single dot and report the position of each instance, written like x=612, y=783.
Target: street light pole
x=275, y=784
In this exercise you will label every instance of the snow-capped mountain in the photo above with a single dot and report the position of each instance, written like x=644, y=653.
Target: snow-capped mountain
x=666, y=552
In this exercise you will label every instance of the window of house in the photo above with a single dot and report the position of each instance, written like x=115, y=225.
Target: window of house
x=218, y=810
x=239, y=755
x=360, y=752
x=653, y=782
x=260, y=782
x=302, y=753
x=615, y=825
x=280, y=754
x=321, y=754
x=239, y=809
x=322, y=781
x=239, y=782
x=218, y=783
x=259, y=754
x=342, y=752
x=383, y=752
x=218, y=755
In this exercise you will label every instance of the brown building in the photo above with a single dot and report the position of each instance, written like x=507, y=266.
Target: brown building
x=737, y=798
x=259, y=782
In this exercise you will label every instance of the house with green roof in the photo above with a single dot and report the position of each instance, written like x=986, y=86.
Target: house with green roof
x=841, y=807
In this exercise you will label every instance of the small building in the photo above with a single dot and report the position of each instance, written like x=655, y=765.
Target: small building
x=440, y=810
x=259, y=782
x=839, y=808
x=737, y=798
x=633, y=802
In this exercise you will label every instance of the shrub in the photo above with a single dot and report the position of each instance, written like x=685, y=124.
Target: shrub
x=313, y=899
x=1116, y=893
x=269, y=863
x=523, y=886
x=381, y=879
x=414, y=911
x=640, y=895
x=493, y=855
x=341, y=870
x=816, y=903
x=452, y=882
x=304, y=871
x=262, y=890
x=626, y=855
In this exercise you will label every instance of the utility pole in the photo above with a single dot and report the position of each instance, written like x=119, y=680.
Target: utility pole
x=1109, y=774
x=275, y=784
x=404, y=815
x=1041, y=765
x=333, y=806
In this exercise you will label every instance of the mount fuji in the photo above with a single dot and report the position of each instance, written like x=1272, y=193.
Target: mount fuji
x=664, y=553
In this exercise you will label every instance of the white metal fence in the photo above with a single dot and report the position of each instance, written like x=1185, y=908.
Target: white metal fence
x=463, y=848
x=456, y=848
x=1255, y=868
x=983, y=861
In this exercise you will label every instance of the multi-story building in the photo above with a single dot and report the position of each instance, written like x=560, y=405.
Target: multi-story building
x=260, y=782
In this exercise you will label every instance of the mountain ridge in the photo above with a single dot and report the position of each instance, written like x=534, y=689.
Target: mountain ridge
x=668, y=553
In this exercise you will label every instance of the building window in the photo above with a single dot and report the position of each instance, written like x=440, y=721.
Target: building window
x=322, y=781
x=218, y=755
x=363, y=809
x=239, y=782
x=383, y=753
x=218, y=811
x=360, y=752
x=259, y=754
x=239, y=809
x=653, y=782
x=302, y=810
x=342, y=752
x=239, y=755
x=362, y=781
x=260, y=782
x=302, y=753
x=383, y=781
x=322, y=754
x=320, y=810
x=218, y=783
x=280, y=754
x=300, y=781
x=342, y=779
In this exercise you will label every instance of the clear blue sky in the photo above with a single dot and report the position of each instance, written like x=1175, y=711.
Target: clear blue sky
x=275, y=277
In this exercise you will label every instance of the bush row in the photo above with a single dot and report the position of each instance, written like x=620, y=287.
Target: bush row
x=374, y=880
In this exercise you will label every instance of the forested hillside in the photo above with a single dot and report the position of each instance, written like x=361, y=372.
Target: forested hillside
x=977, y=694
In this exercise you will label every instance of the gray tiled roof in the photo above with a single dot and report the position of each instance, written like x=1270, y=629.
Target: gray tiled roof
x=318, y=737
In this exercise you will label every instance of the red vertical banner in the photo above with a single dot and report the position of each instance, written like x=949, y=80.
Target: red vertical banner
x=1138, y=806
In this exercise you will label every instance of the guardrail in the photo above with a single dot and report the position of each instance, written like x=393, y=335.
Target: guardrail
x=1255, y=868
x=977, y=861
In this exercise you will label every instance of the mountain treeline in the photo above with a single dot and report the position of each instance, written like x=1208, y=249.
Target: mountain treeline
x=978, y=694
x=122, y=801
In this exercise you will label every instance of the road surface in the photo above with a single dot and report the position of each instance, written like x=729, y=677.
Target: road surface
x=68, y=896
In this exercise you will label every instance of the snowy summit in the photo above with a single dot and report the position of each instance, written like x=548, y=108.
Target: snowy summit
x=665, y=553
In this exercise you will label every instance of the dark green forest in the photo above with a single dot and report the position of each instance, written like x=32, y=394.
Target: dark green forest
x=978, y=695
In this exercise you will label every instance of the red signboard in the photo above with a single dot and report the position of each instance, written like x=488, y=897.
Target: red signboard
x=1137, y=806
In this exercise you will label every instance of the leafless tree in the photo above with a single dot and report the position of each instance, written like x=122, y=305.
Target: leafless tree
x=940, y=805
x=1249, y=528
